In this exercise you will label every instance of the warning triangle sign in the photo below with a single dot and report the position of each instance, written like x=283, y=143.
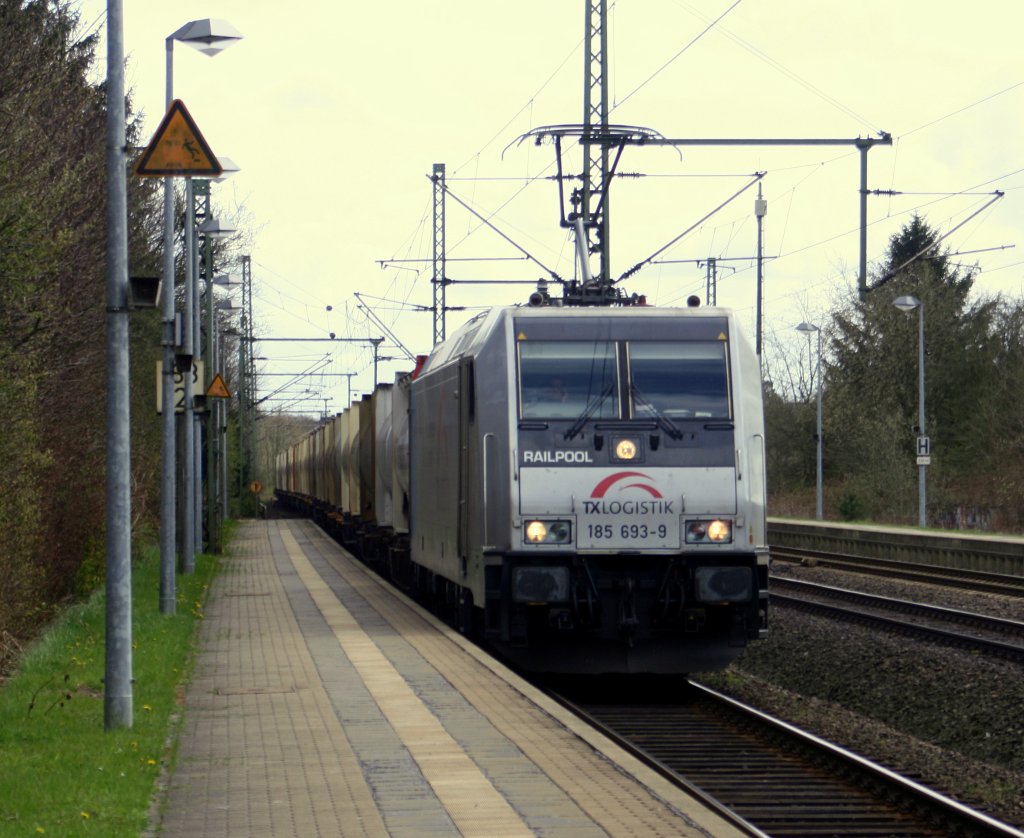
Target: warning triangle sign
x=178, y=148
x=218, y=389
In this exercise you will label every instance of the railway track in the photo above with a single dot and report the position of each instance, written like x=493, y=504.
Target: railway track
x=974, y=580
x=775, y=779
x=930, y=622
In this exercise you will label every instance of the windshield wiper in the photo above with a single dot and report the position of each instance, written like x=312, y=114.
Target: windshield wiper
x=666, y=424
x=589, y=410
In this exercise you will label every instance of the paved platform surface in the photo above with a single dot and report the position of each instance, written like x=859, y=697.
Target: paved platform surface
x=324, y=704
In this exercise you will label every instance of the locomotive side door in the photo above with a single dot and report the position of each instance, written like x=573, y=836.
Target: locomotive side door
x=467, y=460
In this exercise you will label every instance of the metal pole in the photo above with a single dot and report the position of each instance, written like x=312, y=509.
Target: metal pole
x=167, y=464
x=222, y=448
x=250, y=367
x=376, y=358
x=819, y=500
x=862, y=277
x=212, y=437
x=243, y=463
x=440, y=282
x=760, y=210
x=188, y=541
x=117, y=690
x=197, y=418
x=246, y=383
x=922, y=470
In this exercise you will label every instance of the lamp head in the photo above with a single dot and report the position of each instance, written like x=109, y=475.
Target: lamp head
x=228, y=168
x=215, y=229
x=906, y=303
x=209, y=35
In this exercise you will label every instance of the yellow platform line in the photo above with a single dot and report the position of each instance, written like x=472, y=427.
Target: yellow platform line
x=476, y=807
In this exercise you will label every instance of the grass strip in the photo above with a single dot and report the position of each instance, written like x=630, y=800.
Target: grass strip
x=61, y=773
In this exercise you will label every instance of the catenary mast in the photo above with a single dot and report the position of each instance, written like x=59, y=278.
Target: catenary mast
x=595, y=120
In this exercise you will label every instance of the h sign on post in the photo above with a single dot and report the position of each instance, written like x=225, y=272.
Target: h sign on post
x=924, y=451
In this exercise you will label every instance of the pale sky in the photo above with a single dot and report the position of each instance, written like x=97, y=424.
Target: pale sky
x=335, y=113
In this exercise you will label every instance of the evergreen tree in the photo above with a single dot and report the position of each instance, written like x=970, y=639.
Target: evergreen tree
x=872, y=413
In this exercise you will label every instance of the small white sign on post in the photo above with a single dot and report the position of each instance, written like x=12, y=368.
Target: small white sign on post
x=179, y=386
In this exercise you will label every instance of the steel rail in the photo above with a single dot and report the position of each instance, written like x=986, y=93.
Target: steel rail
x=975, y=580
x=938, y=613
x=992, y=648
x=778, y=779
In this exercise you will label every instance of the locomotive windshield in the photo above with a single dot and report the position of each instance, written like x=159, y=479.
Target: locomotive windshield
x=667, y=379
x=562, y=379
x=680, y=380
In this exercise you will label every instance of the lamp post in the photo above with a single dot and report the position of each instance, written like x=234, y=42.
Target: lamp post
x=229, y=282
x=117, y=705
x=908, y=304
x=227, y=308
x=809, y=329
x=209, y=37
x=212, y=229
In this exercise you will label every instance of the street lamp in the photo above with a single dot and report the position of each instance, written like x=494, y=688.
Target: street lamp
x=229, y=281
x=214, y=228
x=908, y=304
x=209, y=37
x=228, y=167
x=808, y=329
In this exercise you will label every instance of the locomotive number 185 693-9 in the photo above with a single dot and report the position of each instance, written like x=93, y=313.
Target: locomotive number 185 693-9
x=632, y=531
x=655, y=531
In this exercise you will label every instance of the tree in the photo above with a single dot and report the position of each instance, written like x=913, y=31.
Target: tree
x=52, y=313
x=871, y=418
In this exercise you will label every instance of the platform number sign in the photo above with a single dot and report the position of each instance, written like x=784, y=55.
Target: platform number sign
x=179, y=386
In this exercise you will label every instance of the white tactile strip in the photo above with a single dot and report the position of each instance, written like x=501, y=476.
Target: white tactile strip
x=260, y=750
x=546, y=809
x=282, y=737
x=585, y=782
x=467, y=795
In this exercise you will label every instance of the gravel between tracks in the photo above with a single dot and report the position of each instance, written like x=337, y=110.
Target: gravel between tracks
x=951, y=719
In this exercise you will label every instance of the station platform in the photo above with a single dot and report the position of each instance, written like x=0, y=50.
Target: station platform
x=324, y=703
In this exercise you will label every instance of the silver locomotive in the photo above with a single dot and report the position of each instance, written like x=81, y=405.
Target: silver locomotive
x=582, y=488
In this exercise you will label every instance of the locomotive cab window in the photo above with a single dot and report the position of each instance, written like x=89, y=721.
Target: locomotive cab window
x=563, y=379
x=680, y=380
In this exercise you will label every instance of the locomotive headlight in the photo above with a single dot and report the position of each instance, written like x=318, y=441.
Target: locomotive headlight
x=536, y=532
x=626, y=449
x=718, y=531
x=547, y=532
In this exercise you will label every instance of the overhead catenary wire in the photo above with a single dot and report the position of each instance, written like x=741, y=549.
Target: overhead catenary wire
x=790, y=74
x=672, y=60
x=757, y=177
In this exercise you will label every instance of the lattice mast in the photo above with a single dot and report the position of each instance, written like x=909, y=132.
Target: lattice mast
x=439, y=280
x=595, y=190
